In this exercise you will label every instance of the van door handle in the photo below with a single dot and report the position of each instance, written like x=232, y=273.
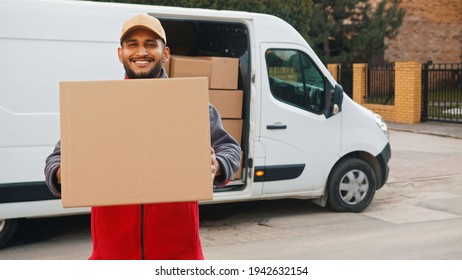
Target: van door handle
x=276, y=126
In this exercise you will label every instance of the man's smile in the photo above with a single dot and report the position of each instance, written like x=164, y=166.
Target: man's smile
x=141, y=62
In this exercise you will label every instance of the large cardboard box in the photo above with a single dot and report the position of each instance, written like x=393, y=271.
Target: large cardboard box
x=227, y=102
x=233, y=127
x=225, y=71
x=188, y=66
x=135, y=141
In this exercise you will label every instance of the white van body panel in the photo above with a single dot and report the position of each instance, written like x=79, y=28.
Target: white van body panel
x=30, y=121
x=38, y=209
x=51, y=41
x=357, y=134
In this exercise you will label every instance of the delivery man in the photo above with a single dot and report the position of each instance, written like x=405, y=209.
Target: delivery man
x=151, y=231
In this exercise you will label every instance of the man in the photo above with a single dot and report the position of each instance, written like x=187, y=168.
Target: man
x=151, y=231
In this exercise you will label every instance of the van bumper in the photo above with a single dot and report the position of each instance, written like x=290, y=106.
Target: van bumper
x=383, y=158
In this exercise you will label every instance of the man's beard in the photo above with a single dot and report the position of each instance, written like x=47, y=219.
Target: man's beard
x=153, y=73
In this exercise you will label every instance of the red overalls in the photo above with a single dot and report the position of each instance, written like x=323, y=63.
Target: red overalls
x=150, y=231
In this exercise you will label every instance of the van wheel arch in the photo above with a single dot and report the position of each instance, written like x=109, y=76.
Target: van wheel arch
x=368, y=158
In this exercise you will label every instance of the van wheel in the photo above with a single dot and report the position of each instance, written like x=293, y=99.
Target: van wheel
x=351, y=186
x=7, y=229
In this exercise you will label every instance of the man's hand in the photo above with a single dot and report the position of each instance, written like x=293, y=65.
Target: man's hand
x=58, y=175
x=216, y=169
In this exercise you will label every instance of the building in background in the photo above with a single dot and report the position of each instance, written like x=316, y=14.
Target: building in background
x=431, y=31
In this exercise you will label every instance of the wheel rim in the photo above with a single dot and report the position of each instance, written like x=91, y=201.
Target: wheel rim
x=2, y=225
x=354, y=187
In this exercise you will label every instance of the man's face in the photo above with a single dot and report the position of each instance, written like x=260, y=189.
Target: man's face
x=142, y=54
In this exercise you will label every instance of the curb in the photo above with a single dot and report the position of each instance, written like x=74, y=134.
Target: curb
x=443, y=130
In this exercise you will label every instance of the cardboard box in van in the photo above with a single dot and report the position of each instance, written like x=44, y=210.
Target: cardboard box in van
x=233, y=127
x=238, y=174
x=227, y=102
x=188, y=66
x=166, y=66
x=225, y=71
x=123, y=142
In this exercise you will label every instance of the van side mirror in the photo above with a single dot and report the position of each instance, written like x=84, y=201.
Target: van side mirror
x=338, y=99
x=334, y=99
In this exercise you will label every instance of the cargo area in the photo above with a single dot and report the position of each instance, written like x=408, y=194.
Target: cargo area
x=219, y=51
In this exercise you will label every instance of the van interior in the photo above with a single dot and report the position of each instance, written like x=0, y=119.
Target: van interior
x=219, y=39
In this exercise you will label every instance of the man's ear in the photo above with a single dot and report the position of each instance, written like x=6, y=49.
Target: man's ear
x=120, y=54
x=166, y=54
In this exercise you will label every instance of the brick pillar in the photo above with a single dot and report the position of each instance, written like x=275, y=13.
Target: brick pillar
x=408, y=91
x=333, y=69
x=359, y=82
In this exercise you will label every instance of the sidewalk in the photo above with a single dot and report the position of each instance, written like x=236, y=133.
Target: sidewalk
x=452, y=130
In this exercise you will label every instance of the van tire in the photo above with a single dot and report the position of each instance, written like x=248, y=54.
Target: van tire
x=351, y=186
x=7, y=230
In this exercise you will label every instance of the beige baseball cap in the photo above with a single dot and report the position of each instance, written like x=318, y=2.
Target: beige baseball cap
x=143, y=21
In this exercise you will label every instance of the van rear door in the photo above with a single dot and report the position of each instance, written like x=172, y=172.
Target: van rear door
x=301, y=143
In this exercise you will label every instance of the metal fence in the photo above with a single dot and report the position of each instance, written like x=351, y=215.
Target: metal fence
x=442, y=92
x=344, y=74
x=380, y=84
x=346, y=78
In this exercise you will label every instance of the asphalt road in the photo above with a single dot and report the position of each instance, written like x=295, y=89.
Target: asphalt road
x=416, y=215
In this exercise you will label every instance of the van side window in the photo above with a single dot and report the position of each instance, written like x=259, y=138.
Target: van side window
x=295, y=80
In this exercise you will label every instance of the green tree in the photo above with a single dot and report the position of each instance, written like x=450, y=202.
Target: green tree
x=349, y=31
x=295, y=12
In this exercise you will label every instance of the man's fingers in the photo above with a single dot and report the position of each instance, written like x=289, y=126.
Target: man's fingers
x=58, y=175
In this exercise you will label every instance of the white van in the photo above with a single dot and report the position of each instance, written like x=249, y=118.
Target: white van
x=302, y=137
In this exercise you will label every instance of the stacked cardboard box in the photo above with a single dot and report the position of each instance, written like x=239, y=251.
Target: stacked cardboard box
x=188, y=66
x=224, y=95
x=225, y=71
